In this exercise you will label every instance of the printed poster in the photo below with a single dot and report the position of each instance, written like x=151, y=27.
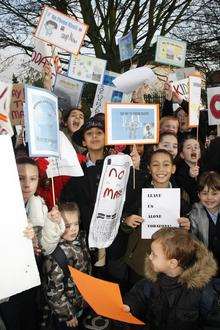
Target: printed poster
x=170, y=51
x=5, y=100
x=41, y=112
x=194, y=100
x=16, y=107
x=87, y=68
x=61, y=30
x=18, y=266
x=108, y=78
x=126, y=48
x=159, y=209
x=132, y=123
x=213, y=95
x=109, y=201
x=68, y=90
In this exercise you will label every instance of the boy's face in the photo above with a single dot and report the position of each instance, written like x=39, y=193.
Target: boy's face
x=159, y=262
x=71, y=219
x=94, y=139
x=161, y=169
x=169, y=143
x=210, y=199
x=191, y=151
x=170, y=126
x=28, y=175
x=75, y=120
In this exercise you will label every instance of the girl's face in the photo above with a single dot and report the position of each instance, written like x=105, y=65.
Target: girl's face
x=170, y=126
x=191, y=151
x=94, y=139
x=210, y=198
x=169, y=143
x=161, y=169
x=75, y=120
x=28, y=176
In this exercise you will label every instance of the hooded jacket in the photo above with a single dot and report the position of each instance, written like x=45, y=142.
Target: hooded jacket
x=183, y=302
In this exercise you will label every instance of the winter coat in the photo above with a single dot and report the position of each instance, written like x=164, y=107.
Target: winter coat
x=180, y=303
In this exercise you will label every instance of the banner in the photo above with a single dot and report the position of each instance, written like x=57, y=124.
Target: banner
x=213, y=95
x=61, y=30
x=16, y=108
x=159, y=209
x=170, y=51
x=67, y=163
x=5, y=100
x=41, y=122
x=109, y=201
x=87, y=68
x=126, y=48
x=18, y=266
x=195, y=85
x=69, y=90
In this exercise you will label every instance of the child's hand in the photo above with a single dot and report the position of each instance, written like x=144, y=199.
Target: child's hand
x=126, y=308
x=54, y=215
x=72, y=323
x=133, y=220
x=135, y=158
x=29, y=232
x=184, y=223
x=194, y=171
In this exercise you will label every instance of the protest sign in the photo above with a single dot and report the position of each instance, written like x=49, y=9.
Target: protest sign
x=158, y=209
x=87, y=68
x=41, y=122
x=109, y=201
x=16, y=108
x=108, y=78
x=132, y=123
x=67, y=163
x=5, y=100
x=180, y=74
x=69, y=90
x=213, y=95
x=181, y=87
x=41, y=55
x=103, y=296
x=170, y=51
x=18, y=266
x=61, y=30
x=126, y=48
x=106, y=94
x=194, y=100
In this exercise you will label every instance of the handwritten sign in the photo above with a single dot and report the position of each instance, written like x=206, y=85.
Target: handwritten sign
x=195, y=84
x=41, y=55
x=61, y=30
x=181, y=87
x=214, y=105
x=109, y=201
x=5, y=100
x=159, y=209
x=16, y=108
x=170, y=51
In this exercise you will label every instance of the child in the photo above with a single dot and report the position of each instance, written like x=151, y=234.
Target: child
x=169, y=124
x=177, y=293
x=169, y=142
x=188, y=169
x=48, y=227
x=63, y=297
x=205, y=215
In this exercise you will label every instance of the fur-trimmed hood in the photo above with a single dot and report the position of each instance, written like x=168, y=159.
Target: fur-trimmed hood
x=196, y=276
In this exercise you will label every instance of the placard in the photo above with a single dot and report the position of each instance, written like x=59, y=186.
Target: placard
x=181, y=87
x=213, y=95
x=170, y=51
x=87, y=68
x=18, y=266
x=41, y=114
x=195, y=85
x=16, y=107
x=132, y=123
x=5, y=100
x=126, y=48
x=160, y=208
x=69, y=90
x=41, y=55
x=61, y=30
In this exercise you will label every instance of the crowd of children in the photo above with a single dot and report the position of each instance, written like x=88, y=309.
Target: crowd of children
x=169, y=281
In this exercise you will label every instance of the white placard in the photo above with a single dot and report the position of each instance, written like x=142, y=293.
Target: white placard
x=67, y=163
x=160, y=208
x=195, y=85
x=213, y=95
x=5, y=101
x=109, y=201
x=182, y=88
x=18, y=267
x=41, y=55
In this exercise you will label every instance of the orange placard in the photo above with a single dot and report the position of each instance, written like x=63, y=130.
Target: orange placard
x=104, y=297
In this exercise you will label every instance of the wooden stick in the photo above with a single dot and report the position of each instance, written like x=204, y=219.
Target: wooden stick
x=53, y=192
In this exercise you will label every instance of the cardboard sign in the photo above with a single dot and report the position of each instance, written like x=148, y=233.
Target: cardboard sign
x=16, y=108
x=170, y=51
x=195, y=85
x=61, y=30
x=126, y=48
x=159, y=209
x=213, y=95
